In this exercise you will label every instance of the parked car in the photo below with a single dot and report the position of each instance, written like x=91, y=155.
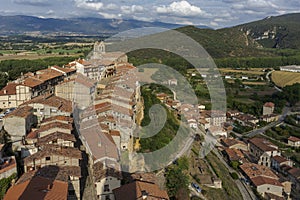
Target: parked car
x=246, y=181
x=197, y=187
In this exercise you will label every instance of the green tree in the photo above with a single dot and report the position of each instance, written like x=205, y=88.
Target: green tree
x=176, y=180
x=235, y=164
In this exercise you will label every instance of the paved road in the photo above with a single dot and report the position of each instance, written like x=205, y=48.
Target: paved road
x=193, y=192
x=269, y=80
x=286, y=111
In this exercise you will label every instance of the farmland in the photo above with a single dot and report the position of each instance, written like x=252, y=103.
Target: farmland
x=283, y=79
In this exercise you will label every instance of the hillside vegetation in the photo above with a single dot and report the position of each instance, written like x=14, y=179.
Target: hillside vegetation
x=275, y=32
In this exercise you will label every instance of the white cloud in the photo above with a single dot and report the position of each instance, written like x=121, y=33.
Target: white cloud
x=132, y=9
x=214, y=24
x=41, y=3
x=111, y=6
x=50, y=12
x=255, y=6
x=180, y=8
x=110, y=15
x=91, y=5
x=145, y=19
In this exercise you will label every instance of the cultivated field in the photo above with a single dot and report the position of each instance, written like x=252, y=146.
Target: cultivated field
x=283, y=79
x=33, y=56
x=146, y=74
x=251, y=71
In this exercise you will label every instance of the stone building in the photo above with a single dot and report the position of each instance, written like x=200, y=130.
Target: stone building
x=262, y=151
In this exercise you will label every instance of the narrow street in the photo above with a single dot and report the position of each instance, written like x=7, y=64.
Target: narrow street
x=245, y=190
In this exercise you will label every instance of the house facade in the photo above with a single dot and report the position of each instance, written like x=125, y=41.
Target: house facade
x=294, y=141
x=262, y=151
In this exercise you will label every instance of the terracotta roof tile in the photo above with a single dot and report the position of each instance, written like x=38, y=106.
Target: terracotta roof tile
x=32, y=82
x=263, y=144
x=136, y=190
x=269, y=104
x=58, y=118
x=253, y=170
x=53, y=101
x=52, y=125
x=294, y=139
x=260, y=180
x=64, y=69
x=21, y=112
x=39, y=188
x=279, y=159
x=295, y=172
x=100, y=172
x=48, y=150
x=54, y=136
x=9, y=89
x=9, y=163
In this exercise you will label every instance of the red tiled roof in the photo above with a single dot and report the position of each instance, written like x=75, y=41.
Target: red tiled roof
x=9, y=89
x=269, y=104
x=21, y=112
x=54, y=136
x=234, y=154
x=38, y=188
x=54, y=125
x=279, y=159
x=114, y=133
x=263, y=144
x=64, y=69
x=136, y=190
x=58, y=118
x=260, y=180
x=295, y=172
x=53, y=101
x=85, y=81
x=9, y=163
x=253, y=170
x=32, y=82
x=293, y=139
x=48, y=150
x=32, y=135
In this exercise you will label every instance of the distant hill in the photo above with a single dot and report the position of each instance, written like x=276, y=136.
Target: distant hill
x=89, y=26
x=228, y=42
x=251, y=39
x=275, y=32
x=255, y=39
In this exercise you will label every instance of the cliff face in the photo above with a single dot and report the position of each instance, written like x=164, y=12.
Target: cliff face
x=275, y=32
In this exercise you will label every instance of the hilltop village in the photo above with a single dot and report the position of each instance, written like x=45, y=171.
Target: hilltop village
x=70, y=127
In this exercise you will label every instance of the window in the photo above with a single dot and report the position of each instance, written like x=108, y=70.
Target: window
x=48, y=158
x=71, y=192
x=106, y=188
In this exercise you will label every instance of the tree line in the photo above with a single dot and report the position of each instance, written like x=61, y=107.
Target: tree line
x=12, y=69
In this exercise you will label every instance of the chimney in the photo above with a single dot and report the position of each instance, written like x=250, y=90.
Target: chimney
x=144, y=194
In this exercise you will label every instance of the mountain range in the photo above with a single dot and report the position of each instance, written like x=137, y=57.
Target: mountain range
x=258, y=38
x=21, y=24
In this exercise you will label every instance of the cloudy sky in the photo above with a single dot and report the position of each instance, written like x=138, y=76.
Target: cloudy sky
x=213, y=13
